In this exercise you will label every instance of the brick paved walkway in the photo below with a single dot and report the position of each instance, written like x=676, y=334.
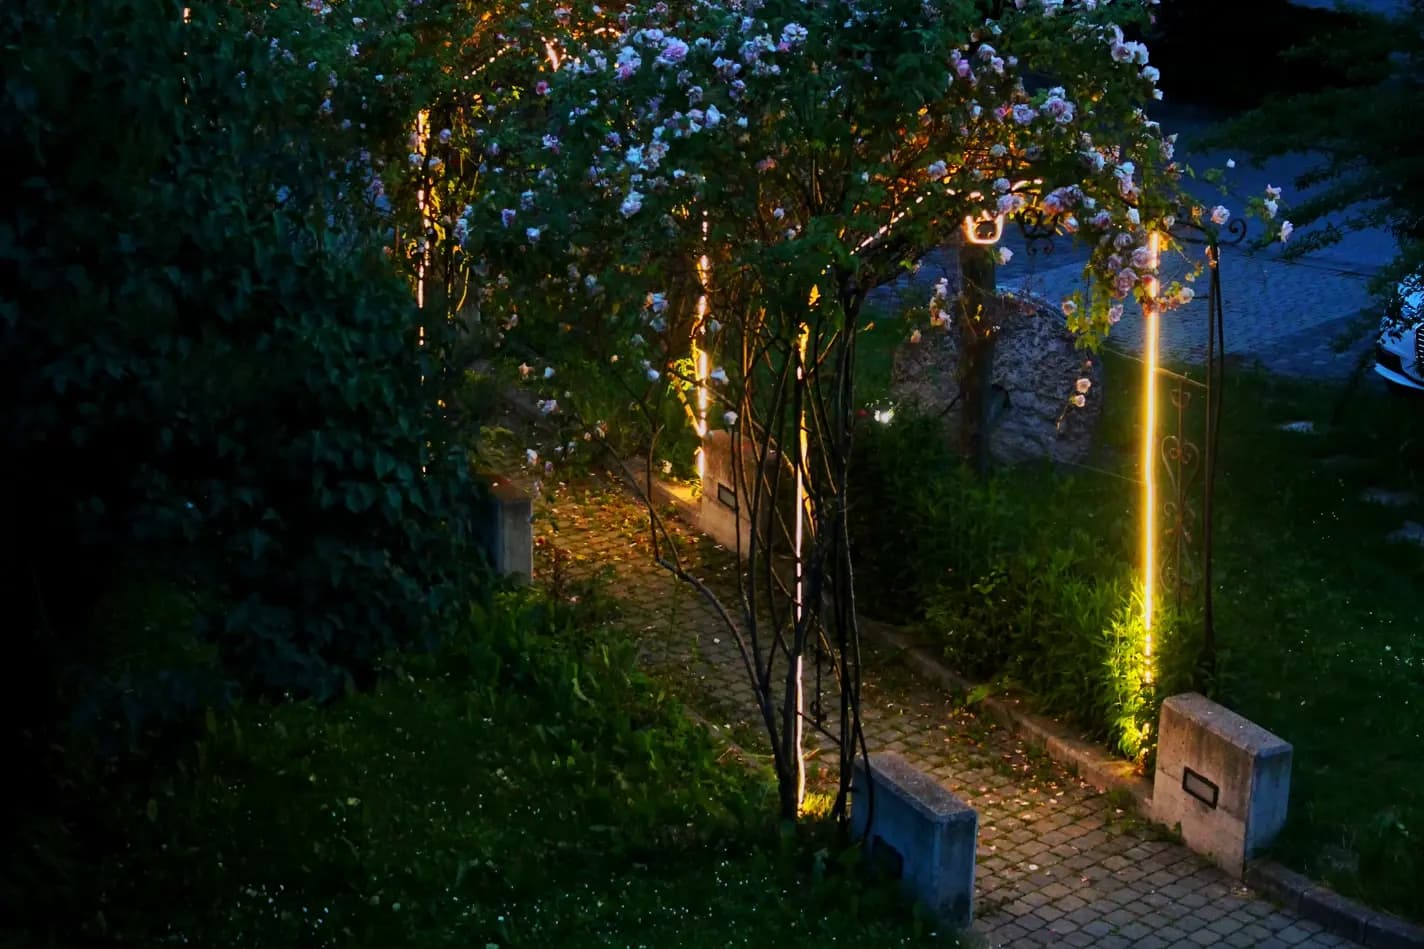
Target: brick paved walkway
x=1284, y=316
x=1059, y=863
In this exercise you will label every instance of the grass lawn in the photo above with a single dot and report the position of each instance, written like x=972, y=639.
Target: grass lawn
x=1320, y=618
x=523, y=787
x=1322, y=622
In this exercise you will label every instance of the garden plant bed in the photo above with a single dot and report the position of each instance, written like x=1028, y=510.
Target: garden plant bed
x=510, y=789
x=1318, y=615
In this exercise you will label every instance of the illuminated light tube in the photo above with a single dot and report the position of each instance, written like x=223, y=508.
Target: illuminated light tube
x=702, y=365
x=803, y=446
x=1152, y=318
x=422, y=137
x=973, y=233
x=699, y=423
x=702, y=375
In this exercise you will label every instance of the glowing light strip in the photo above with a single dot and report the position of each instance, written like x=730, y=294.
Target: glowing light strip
x=422, y=137
x=803, y=449
x=702, y=373
x=702, y=364
x=1152, y=317
x=971, y=229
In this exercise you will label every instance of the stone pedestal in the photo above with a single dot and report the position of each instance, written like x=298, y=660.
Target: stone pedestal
x=724, y=512
x=1223, y=779
x=919, y=831
x=507, y=529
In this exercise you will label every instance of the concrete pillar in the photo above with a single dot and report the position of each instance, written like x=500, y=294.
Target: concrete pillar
x=507, y=529
x=1224, y=780
x=920, y=831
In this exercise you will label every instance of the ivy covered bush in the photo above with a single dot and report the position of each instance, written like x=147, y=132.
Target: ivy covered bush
x=213, y=367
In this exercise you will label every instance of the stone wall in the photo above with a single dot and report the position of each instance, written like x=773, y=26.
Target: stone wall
x=1036, y=365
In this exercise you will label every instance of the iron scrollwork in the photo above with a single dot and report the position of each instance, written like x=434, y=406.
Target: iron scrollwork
x=1182, y=459
x=1191, y=469
x=1187, y=507
x=1038, y=228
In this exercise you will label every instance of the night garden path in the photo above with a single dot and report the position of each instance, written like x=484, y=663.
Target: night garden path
x=1059, y=863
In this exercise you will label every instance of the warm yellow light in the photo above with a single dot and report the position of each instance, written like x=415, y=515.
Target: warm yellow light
x=799, y=593
x=422, y=137
x=703, y=370
x=702, y=365
x=972, y=226
x=1151, y=316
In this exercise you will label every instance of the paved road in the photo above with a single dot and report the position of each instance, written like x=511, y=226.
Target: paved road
x=1288, y=316
x=1059, y=863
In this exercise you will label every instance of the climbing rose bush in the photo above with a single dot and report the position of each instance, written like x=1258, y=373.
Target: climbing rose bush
x=796, y=148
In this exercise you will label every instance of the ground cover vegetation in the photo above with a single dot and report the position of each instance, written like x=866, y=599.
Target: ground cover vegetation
x=1026, y=579
x=520, y=785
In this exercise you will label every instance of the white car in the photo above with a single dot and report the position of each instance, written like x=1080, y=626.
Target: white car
x=1399, y=351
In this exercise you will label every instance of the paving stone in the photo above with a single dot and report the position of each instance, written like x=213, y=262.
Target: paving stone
x=1134, y=930
x=1055, y=858
x=1293, y=934
x=1195, y=901
x=1225, y=925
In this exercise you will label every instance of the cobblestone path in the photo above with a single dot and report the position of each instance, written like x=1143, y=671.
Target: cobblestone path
x=1284, y=316
x=1059, y=863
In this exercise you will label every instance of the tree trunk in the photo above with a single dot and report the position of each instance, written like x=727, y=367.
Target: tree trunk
x=976, y=352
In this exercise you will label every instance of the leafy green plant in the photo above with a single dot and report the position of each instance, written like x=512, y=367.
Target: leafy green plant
x=215, y=370
x=1030, y=577
x=522, y=785
x=1013, y=582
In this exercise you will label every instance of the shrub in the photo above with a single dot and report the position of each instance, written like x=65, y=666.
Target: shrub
x=1014, y=579
x=522, y=784
x=211, y=366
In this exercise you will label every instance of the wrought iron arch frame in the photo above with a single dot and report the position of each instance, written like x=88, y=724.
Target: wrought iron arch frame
x=1188, y=558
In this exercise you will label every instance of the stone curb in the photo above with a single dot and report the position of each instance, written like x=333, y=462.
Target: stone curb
x=661, y=495
x=1298, y=893
x=1341, y=916
x=1094, y=765
x=1108, y=772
